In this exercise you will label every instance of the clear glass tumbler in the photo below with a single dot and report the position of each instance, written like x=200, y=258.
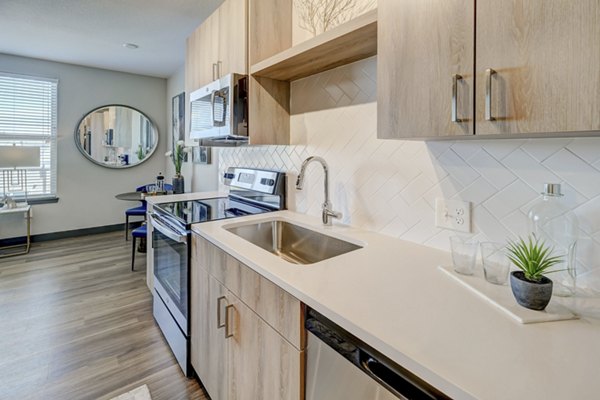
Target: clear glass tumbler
x=464, y=254
x=496, y=263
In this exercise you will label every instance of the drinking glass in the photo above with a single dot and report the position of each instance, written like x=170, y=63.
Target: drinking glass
x=496, y=263
x=464, y=254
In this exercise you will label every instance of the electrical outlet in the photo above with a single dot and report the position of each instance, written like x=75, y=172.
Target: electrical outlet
x=453, y=214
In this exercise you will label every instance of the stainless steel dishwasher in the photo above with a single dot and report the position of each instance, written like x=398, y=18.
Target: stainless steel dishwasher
x=342, y=367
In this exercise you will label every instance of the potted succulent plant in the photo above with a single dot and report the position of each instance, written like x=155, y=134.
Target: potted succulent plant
x=530, y=287
x=178, y=155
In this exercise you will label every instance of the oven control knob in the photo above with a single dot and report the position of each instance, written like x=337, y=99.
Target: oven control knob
x=267, y=182
x=227, y=175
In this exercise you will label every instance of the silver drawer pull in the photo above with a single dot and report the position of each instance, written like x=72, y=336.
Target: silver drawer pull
x=488, y=94
x=219, y=323
x=228, y=330
x=455, y=79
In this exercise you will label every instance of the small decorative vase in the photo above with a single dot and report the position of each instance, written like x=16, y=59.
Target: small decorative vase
x=178, y=184
x=532, y=295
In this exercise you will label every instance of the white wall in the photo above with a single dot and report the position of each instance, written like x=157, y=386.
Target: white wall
x=198, y=177
x=175, y=85
x=390, y=186
x=86, y=191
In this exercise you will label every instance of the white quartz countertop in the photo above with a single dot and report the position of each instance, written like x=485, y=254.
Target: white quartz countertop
x=391, y=295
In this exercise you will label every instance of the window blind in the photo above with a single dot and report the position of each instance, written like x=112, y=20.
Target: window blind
x=28, y=117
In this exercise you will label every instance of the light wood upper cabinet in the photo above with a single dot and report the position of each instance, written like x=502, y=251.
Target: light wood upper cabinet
x=270, y=32
x=218, y=46
x=202, y=51
x=536, y=68
x=546, y=58
x=270, y=28
x=422, y=46
x=233, y=28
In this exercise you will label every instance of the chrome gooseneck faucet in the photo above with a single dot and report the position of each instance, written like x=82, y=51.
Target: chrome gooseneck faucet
x=328, y=213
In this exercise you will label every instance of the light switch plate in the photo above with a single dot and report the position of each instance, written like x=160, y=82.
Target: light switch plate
x=453, y=214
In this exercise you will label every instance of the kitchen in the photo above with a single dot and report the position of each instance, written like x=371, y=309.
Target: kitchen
x=338, y=106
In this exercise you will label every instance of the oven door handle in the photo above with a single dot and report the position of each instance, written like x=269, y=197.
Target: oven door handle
x=165, y=230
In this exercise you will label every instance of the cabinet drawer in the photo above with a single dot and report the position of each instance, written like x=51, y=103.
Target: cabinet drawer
x=274, y=305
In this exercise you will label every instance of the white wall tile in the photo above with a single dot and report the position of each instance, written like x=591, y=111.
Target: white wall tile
x=586, y=149
x=582, y=176
x=588, y=215
x=542, y=149
x=501, y=148
x=491, y=169
x=390, y=186
x=458, y=168
x=477, y=192
x=509, y=199
x=529, y=170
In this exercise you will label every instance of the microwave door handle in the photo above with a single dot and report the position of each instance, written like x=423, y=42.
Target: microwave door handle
x=216, y=94
x=165, y=230
x=212, y=106
x=224, y=116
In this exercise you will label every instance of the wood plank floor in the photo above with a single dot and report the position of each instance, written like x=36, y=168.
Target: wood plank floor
x=76, y=323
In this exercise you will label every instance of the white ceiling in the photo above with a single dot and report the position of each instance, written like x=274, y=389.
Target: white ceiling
x=92, y=32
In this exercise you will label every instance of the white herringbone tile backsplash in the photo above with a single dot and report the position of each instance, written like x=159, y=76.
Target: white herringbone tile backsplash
x=390, y=186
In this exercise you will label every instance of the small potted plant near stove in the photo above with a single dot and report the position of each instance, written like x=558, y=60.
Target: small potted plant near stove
x=178, y=155
x=533, y=258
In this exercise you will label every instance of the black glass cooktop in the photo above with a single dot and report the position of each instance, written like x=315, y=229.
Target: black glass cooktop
x=194, y=211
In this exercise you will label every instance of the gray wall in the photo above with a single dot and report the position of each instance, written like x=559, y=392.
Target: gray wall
x=198, y=178
x=86, y=191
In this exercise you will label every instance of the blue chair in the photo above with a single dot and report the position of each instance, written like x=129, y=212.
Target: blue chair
x=140, y=211
x=136, y=233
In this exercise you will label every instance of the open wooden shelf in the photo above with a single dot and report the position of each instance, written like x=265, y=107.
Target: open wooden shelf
x=344, y=44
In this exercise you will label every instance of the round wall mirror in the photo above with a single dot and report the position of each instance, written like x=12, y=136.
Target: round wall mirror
x=116, y=136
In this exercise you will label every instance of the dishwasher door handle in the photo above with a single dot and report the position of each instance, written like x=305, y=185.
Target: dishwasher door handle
x=396, y=383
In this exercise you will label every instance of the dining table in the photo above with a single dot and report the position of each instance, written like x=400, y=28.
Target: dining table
x=131, y=196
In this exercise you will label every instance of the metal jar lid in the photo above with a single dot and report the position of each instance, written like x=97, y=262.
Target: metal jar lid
x=552, y=189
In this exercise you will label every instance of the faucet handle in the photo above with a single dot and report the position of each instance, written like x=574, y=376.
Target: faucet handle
x=328, y=214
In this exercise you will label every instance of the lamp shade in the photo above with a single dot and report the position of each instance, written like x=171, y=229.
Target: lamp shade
x=19, y=156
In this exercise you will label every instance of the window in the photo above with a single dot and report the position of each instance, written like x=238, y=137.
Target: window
x=28, y=113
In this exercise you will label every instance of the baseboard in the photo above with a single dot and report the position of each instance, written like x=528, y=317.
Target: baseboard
x=44, y=237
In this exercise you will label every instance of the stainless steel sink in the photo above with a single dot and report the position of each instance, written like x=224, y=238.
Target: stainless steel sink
x=293, y=243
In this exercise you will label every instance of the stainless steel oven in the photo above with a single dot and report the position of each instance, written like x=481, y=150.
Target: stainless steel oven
x=170, y=245
x=252, y=192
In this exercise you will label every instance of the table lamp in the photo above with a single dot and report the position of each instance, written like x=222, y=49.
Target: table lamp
x=12, y=161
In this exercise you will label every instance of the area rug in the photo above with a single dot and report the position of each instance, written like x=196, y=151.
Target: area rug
x=140, y=393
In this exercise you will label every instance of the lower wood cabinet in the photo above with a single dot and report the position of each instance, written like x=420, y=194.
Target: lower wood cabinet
x=209, y=344
x=235, y=352
x=262, y=364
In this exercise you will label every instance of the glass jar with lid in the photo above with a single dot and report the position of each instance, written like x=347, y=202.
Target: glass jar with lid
x=552, y=221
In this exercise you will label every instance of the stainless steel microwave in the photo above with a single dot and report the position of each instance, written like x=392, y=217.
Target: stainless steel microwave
x=219, y=112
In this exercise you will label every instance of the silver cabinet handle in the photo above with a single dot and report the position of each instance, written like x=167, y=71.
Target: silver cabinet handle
x=214, y=71
x=455, y=79
x=488, y=94
x=228, y=332
x=219, y=323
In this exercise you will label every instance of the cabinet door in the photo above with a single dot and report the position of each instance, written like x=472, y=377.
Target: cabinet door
x=202, y=51
x=262, y=364
x=233, y=42
x=424, y=47
x=545, y=57
x=208, y=343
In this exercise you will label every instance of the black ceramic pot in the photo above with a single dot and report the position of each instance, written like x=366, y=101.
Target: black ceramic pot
x=532, y=295
x=178, y=184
